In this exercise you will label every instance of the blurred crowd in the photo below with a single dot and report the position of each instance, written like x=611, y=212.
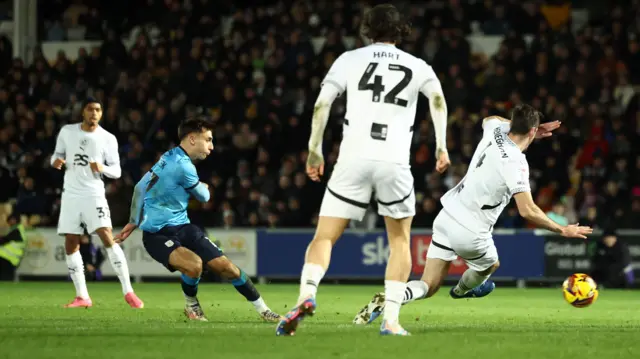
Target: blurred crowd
x=256, y=70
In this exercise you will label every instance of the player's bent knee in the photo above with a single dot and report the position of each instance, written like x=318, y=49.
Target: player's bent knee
x=491, y=269
x=193, y=269
x=224, y=267
x=186, y=261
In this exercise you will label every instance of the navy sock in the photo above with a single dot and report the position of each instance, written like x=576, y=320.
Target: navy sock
x=245, y=286
x=189, y=285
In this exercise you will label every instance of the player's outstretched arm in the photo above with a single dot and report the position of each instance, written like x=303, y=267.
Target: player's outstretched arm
x=531, y=212
x=544, y=129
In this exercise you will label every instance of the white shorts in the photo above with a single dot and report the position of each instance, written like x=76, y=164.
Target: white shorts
x=450, y=240
x=76, y=214
x=352, y=183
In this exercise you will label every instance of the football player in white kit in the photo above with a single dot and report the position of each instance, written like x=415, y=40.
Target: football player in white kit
x=382, y=85
x=497, y=172
x=87, y=152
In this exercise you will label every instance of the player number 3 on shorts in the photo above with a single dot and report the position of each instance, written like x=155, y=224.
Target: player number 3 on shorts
x=103, y=212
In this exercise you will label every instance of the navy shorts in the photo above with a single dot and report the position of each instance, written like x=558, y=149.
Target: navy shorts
x=159, y=245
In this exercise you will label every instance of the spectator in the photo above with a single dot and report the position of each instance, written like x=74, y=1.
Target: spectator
x=557, y=214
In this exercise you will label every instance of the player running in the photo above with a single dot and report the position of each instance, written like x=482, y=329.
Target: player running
x=382, y=84
x=87, y=152
x=159, y=208
x=498, y=171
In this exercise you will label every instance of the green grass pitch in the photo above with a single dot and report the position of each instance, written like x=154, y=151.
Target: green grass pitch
x=510, y=323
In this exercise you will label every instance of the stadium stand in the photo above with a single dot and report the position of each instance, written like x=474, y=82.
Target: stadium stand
x=256, y=70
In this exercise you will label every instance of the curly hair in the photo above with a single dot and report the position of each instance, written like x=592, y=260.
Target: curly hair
x=384, y=23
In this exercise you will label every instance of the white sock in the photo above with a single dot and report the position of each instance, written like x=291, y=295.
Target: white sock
x=394, y=292
x=260, y=305
x=76, y=271
x=190, y=300
x=309, y=280
x=416, y=289
x=119, y=264
x=470, y=279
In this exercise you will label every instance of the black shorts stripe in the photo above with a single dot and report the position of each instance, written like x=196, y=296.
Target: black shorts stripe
x=487, y=206
x=476, y=258
x=395, y=202
x=347, y=200
x=451, y=250
x=441, y=246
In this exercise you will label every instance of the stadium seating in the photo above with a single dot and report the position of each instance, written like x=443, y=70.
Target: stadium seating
x=257, y=71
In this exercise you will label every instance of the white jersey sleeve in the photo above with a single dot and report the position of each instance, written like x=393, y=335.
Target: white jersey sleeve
x=516, y=175
x=430, y=83
x=432, y=88
x=112, y=158
x=338, y=73
x=490, y=123
x=61, y=148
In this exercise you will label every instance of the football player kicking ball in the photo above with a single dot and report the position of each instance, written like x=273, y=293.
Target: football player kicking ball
x=88, y=152
x=383, y=84
x=498, y=171
x=159, y=208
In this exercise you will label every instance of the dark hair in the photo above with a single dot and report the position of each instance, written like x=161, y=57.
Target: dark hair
x=383, y=23
x=524, y=118
x=90, y=100
x=193, y=124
